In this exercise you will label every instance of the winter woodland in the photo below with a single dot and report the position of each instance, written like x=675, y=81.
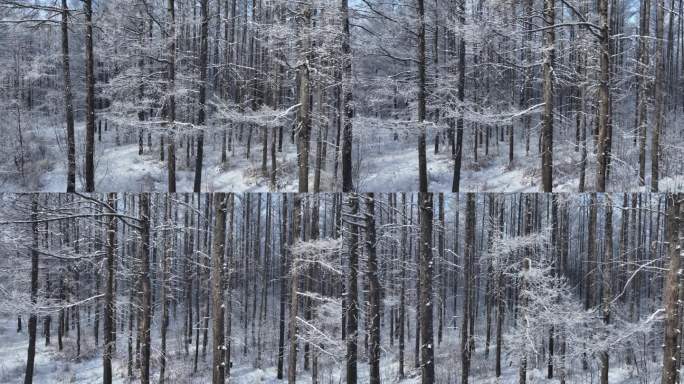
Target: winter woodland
x=330, y=288
x=367, y=95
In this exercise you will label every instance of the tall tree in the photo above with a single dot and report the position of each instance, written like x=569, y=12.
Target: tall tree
x=468, y=251
x=170, y=102
x=144, y=333
x=304, y=96
x=607, y=281
x=217, y=262
x=547, y=119
x=458, y=146
x=659, y=97
x=33, y=320
x=110, y=298
x=201, y=114
x=374, y=291
x=604, y=110
x=352, y=295
x=422, y=96
x=90, y=98
x=643, y=85
x=294, y=292
x=427, y=354
x=671, y=298
x=347, y=103
x=68, y=101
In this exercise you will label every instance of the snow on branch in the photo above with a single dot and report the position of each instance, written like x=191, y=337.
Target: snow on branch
x=323, y=252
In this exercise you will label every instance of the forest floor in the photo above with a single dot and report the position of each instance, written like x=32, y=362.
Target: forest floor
x=53, y=366
x=381, y=163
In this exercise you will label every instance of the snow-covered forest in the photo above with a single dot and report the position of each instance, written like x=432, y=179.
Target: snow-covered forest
x=348, y=191
x=318, y=95
x=330, y=288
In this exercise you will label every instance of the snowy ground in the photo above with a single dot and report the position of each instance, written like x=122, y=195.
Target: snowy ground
x=52, y=366
x=382, y=162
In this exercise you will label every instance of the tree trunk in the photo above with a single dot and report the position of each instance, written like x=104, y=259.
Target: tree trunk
x=422, y=96
x=348, y=106
x=167, y=242
x=304, y=114
x=33, y=320
x=548, y=91
x=659, y=97
x=110, y=298
x=352, y=295
x=374, y=286
x=467, y=288
x=170, y=107
x=146, y=308
x=204, y=38
x=90, y=99
x=604, y=139
x=68, y=102
x=671, y=297
x=458, y=152
x=643, y=86
x=607, y=281
x=427, y=354
x=217, y=261
x=294, y=294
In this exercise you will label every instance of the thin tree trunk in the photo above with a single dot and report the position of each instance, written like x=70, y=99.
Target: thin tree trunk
x=659, y=97
x=33, y=320
x=670, y=373
x=294, y=294
x=643, y=86
x=352, y=296
x=201, y=114
x=110, y=298
x=217, y=292
x=347, y=104
x=427, y=353
x=604, y=139
x=90, y=98
x=374, y=287
x=146, y=291
x=422, y=96
x=304, y=113
x=283, y=287
x=458, y=152
x=68, y=102
x=170, y=107
x=548, y=91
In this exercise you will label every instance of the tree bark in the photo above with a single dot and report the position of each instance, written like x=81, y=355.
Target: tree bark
x=170, y=107
x=604, y=138
x=110, y=298
x=458, y=151
x=68, y=102
x=90, y=99
x=643, y=86
x=427, y=354
x=422, y=160
x=659, y=97
x=201, y=114
x=304, y=114
x=374, y=287
x=217, y=292
x=670, y=373
x=348, y=106
x=33, y=320
x=548, y=93
x=146, y=291
x=352, y=295
x=294, y=293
